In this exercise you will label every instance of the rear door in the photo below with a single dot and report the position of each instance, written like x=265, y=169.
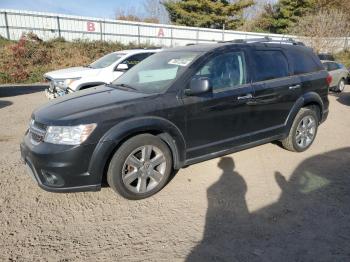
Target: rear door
x=275, y=90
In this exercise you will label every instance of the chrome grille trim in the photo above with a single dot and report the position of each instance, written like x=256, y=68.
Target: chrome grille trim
x=37, y=132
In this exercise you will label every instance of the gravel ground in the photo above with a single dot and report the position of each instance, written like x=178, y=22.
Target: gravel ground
x=261, y=204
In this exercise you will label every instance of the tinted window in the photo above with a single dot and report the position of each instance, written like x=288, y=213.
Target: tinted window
x=303, y=62
x=225, y=71
x=270, y=65
x=135, y=59
x=106, y=60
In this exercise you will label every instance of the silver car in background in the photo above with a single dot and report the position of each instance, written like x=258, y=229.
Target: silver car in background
x=339, y=75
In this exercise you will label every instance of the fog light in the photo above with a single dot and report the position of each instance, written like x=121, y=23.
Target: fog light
x=52, y=179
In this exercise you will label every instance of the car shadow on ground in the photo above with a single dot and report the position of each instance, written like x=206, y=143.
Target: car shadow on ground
x=8, y=91
x=309, y=222
x=344, y=98
x=4, y=103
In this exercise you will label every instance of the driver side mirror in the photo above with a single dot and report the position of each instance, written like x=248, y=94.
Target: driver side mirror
x=198, y=86
x=122, y=67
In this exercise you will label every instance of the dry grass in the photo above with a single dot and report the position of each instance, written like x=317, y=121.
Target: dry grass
x=26, y=60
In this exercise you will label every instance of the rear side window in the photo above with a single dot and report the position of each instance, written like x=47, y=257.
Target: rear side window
x=303, y=62
x=331, y=66
x=270, y=64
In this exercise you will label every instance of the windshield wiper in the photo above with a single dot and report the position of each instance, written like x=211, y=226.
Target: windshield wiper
x=124, y=86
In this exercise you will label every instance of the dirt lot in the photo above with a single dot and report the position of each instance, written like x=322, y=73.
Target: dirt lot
x=261, y=204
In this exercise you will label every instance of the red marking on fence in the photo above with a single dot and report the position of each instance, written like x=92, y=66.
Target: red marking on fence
x=90, y=26
x=160, y=32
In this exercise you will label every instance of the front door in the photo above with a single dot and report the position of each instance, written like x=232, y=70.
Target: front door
x=220, y=119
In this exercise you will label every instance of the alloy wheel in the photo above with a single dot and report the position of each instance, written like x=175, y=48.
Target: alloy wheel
x=306, y=131
x=144, y=169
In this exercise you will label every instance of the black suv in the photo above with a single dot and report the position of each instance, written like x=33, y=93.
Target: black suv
x=176, y=108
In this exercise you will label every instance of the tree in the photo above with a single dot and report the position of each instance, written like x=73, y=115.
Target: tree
x=284, y=14
x=324, y=31
x=287, y=12
x=207, y=13
x=262, y=21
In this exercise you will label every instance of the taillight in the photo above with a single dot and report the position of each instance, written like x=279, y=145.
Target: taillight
x=329, y=79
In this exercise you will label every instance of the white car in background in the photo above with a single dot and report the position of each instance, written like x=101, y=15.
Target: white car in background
x=339, y=75
x=102, y=71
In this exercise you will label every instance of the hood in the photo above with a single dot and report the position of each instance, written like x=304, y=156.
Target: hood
x=72, y=72
x=86, y=106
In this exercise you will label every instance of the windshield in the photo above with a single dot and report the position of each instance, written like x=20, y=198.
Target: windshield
x=106, y=60
x=157, y=72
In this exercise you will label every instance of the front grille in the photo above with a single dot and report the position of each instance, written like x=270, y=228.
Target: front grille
x=37, y=131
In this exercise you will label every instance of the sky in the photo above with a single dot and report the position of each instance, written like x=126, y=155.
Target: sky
x=93, y=8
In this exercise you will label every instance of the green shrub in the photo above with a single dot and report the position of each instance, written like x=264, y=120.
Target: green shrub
x=344, y=58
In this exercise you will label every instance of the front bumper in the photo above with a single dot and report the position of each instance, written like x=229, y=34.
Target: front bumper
x=60, y=168
x=52, y=93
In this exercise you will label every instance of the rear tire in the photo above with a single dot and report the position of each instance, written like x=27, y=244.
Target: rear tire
x=341, y=86
x=140, y=167
x=303, y=131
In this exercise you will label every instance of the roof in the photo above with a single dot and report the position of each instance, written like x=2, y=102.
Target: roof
x=209, y=47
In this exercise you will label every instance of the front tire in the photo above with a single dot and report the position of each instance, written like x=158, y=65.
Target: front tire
x=303, y=131
x=140, y=167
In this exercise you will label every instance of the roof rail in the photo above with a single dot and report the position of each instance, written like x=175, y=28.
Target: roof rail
x=265, y=39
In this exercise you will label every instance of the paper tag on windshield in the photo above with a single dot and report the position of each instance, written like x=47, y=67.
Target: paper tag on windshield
x=181, y=61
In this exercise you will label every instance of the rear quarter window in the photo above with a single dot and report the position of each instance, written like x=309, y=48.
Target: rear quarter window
x=303, y=62
x=270, y=64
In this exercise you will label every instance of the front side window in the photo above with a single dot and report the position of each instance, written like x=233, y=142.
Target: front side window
x=106, y=60
x=135, y=59
x=270, y=64
x=156, y=73
x=225, y=71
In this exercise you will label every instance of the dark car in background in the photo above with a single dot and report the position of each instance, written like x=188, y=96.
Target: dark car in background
x=178, y=107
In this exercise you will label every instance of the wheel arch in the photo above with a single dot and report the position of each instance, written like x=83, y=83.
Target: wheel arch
x=123, y=131
x=310, y=99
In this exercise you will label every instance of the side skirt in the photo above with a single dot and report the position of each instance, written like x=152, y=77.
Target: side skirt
x=199, y=159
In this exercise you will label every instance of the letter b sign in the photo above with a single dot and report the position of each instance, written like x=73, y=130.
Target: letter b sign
x=90, y=26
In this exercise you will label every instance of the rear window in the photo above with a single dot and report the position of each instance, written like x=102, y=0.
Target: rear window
x=270, y=64
x=303, y=62
x=326, y=57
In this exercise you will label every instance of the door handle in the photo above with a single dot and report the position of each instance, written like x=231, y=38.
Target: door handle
x=247, y=96
x=294, y=87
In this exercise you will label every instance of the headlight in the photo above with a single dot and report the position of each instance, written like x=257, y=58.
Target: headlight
x=68, y=82
x=64, y=83
x=68, y=135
